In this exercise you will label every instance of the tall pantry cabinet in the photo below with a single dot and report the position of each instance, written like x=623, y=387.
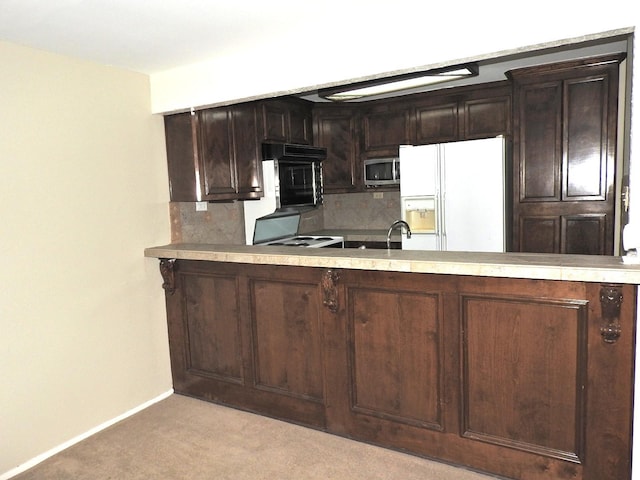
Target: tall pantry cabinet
x=565, y=119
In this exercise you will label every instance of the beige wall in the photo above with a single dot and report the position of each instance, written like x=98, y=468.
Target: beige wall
x=84, y=191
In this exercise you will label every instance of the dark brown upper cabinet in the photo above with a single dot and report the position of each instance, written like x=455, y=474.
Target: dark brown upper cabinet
x=287, y=120
x=436, y=121
x=336, y=128
x=385, y=126
x=214, y=154
x=352, y=133
x=486, y=113
x=565, y=120
x=179, y=131
x=465, y=113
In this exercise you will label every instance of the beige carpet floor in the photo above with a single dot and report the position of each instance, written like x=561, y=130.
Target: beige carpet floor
x=184, y=438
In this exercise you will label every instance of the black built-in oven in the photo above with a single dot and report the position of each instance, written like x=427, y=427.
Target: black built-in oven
x=300, y=182
x=298, y=173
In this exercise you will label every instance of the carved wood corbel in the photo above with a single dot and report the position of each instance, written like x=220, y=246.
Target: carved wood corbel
x=610, y=303
x=330, y=290
x=167, y=270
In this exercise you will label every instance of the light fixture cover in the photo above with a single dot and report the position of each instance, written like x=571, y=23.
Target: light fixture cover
x=399, y=83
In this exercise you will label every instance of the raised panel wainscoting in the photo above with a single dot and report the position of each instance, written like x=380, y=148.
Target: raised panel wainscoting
x=523, y=378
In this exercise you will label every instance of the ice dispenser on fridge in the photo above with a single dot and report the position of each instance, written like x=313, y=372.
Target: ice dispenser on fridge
x=420, y=214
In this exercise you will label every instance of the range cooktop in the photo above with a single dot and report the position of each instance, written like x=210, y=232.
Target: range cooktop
x=310, y=241
x=281, y=229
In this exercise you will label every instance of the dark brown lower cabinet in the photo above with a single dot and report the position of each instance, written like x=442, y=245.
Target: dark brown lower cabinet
x=527, y=379
x=250, y=338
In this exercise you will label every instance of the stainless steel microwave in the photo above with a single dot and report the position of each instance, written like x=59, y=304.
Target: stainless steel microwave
x=381, y=171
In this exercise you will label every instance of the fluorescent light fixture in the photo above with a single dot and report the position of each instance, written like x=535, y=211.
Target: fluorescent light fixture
x=400, y=83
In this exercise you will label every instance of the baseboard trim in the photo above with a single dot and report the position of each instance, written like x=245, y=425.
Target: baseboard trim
x=42, y=457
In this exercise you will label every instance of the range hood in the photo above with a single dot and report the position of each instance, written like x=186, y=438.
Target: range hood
x=292, y=151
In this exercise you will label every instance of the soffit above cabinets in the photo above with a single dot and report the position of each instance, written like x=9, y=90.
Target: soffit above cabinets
x=494, y=69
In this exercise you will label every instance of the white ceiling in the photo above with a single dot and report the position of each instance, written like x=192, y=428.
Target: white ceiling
x=145, y=36
x=151, y=36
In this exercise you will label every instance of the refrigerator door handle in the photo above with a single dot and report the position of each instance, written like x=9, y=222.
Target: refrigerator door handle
x=441, y=174
x=443, y=216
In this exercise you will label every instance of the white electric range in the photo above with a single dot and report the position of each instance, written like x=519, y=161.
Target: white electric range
x=281, y=229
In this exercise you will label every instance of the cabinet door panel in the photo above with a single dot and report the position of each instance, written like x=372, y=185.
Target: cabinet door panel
x=524, y=373
x=403, y=384
x=585, y=142
x=287, y=120
x=435, y=124
x=300, y=125
x=335, y=129
x=384, y=129
x=217, y=175
x=539, y=234
x=286, y=333
x=181, y=156
x=487, y=117
x=275, y=120
x=247, y=151
x=540, y=146
x=584, y=233
x=213, y=346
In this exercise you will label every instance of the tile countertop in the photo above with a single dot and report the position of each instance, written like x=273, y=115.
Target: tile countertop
x=586, y=268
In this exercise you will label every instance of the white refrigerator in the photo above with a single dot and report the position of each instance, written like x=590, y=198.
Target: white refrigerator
x=453, y=195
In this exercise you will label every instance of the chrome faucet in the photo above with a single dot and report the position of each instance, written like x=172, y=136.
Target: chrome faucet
x=396, y=224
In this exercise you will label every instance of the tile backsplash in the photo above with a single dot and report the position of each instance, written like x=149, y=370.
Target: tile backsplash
x=361, y=210
x=224, y=222
x=220, y=223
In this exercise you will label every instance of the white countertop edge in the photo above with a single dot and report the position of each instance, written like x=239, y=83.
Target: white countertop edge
x=584, y=268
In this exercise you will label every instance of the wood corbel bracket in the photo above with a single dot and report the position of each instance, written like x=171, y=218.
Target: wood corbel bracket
x=330, y=290
x=167, y=270
x=610, y=303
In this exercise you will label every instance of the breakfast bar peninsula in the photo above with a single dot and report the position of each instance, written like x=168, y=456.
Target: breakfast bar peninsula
x=518, y=365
